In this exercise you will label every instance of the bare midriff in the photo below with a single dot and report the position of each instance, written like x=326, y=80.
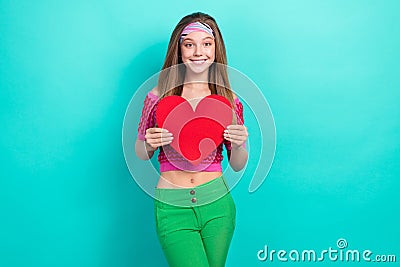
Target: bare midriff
x=180, y=179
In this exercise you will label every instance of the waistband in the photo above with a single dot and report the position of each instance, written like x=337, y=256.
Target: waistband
x=193, y=196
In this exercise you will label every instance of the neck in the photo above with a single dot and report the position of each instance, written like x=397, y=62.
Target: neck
x=196, y=80
x=196, y=88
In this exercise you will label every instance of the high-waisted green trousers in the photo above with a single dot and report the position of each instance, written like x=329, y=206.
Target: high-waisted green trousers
x=195, y=225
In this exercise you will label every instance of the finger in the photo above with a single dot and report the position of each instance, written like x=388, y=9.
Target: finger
x=235, y=138
x=156, y=130
x=236, y=132
x=235, y=127
x=157, y=141
x=232, y=128
x=160, y=143
x=158, y=135
x=166, y=139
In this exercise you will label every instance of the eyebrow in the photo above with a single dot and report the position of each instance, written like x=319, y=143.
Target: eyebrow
x=208, y=37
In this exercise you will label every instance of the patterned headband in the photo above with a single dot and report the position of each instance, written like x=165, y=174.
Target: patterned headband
x=195, y=27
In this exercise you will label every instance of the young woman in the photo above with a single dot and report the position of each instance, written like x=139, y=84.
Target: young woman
x=194, y=210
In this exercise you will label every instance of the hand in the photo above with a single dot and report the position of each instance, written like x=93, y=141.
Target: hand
x=236, y=134
x=156, y=137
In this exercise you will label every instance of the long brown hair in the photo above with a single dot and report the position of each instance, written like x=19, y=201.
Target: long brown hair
x=171, y=79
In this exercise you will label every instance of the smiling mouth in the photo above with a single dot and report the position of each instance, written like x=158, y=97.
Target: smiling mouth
x=198, y=61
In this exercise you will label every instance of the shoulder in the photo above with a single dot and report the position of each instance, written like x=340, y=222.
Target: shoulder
x=234, y=96
x=151, y=98
x=236, y=99
x=153, y=93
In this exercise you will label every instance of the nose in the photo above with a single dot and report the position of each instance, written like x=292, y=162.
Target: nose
x=198, y=50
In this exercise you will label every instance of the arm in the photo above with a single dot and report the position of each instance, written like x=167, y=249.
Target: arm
x=154, y=138
x=150, y=137
x=235, y=140
x=237, y=155
x=143, y=150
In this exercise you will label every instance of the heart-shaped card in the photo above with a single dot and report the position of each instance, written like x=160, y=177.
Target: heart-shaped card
x=196, y=132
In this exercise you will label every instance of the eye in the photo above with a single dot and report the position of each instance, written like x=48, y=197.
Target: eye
x=188, y=45
x=208, y=44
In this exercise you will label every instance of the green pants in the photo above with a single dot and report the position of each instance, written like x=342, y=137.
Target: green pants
x=195, y=225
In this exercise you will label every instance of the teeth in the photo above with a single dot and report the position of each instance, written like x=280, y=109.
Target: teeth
x=198, y=61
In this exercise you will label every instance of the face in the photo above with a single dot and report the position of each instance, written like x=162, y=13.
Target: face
x=198, y=51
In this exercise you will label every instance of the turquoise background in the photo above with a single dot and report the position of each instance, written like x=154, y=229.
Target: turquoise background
x=68, y=69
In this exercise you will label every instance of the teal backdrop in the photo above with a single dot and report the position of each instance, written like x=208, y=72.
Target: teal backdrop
x=68, y=69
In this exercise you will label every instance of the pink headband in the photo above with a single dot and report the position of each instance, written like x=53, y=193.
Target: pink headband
x=195, y=27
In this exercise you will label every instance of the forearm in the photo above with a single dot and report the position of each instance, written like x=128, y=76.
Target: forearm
x=238, y=158
x=143, y=150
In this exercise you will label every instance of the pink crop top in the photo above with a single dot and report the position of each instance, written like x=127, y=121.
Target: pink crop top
x=168, y=158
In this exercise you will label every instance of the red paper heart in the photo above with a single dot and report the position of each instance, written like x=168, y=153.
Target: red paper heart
x=196, y=132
